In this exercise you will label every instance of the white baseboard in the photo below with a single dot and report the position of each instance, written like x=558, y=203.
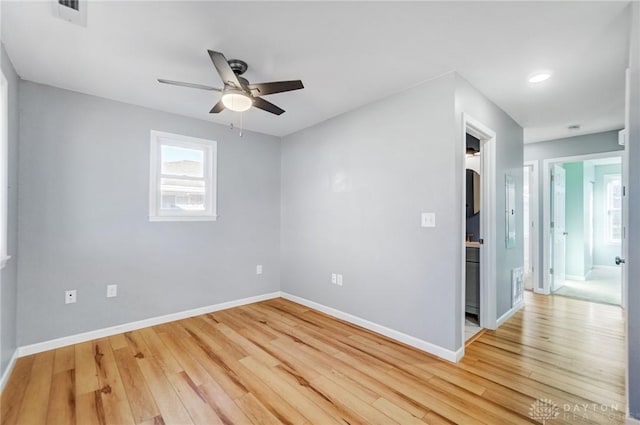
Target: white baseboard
x=114, y=330
x=509, y=313
x=452, y=356
x=7, y=372
x=436, y=350
x=604, y=266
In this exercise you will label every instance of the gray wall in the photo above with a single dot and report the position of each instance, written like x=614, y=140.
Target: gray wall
x=353, y=188
x=509, y=139
x=572, y=146
x=8, y=276
x=633, y=260
x=84, y=190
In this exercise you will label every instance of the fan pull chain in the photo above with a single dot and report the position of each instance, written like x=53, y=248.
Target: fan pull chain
x=241, y=123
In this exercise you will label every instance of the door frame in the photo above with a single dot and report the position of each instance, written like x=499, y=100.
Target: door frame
x=534, y=217
x=546, y=207
x=487, y=139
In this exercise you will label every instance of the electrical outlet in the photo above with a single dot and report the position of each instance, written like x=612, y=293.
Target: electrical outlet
x=339, y=281
x=259, y=269
x=112, y=291
x=70, y=296
x=334, y=278
x=428, y=219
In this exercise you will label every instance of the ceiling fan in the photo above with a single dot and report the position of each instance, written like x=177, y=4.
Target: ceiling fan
x=238, y=94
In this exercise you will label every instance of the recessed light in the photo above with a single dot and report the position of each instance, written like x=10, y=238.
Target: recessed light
x=539, y=77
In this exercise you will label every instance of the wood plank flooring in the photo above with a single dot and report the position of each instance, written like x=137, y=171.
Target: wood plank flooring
x=277, y=362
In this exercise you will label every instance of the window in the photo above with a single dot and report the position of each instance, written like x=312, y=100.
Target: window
x=4, y=165
x=613, y=187
x=183, y=184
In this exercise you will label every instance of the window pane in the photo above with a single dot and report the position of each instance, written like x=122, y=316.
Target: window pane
x=179, y=161
x=179, y=194
x=615, y=226
x=616, y=194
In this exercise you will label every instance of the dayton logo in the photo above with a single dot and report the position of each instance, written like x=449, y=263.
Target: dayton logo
x=544, y=409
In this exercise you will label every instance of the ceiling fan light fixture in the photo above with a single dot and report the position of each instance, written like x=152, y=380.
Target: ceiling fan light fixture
x=236, y=100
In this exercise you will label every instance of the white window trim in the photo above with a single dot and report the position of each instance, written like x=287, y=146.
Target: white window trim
x=608, y=178
x=210, y=168
x=4, y=172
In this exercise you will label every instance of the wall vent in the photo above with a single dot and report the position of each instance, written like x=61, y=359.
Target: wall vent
x=74, y=11
x=517, y=286
x=73, y=4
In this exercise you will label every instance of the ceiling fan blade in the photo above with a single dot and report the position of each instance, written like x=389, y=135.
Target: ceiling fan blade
x=190, y=85
x=275, y=87
x=217, y=108
x=260, y=103
x=222, y=66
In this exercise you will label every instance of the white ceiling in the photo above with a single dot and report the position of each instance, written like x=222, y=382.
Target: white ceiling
x=347, y=54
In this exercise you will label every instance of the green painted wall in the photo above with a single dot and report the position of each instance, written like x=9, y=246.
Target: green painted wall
x=574, y=225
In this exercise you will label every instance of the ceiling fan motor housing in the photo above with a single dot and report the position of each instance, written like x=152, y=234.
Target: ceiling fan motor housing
x=239, y=67
x=237, y=94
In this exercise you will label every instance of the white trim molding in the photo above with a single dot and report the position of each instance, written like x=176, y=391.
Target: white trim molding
x=4, y=168
x=209, y=150
x=132, y=326
x=7, y=372
x=488, y=295
x=534, y=226
x=509, y=313
x=632, y=421
x=546, y=208
x=436, y=350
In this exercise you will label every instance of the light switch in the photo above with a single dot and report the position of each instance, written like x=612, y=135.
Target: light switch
x=112, y=291
x=428, y=219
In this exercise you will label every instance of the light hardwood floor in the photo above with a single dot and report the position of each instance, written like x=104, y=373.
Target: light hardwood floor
x=279, y=362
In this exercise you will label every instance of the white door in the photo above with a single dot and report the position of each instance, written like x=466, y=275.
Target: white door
x=528, y=236
x=624, y=248
x=558, y=231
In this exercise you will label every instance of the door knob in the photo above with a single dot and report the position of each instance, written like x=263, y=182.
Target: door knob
x=565, y=233
x=620, y=261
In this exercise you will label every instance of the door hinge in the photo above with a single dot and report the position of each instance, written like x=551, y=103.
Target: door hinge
x=481, y=241
x=551, y=270
x=552, y=224
x=624, y=190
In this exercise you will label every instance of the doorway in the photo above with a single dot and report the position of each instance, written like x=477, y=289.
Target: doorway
x=482, y=207
x=584, y=230
x=473, y=241
x=530, y=208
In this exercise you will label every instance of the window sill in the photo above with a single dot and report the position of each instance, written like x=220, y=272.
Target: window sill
x=4, y=261
x=184, y=218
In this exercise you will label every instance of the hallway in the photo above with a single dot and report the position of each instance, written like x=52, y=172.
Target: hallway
x=603, y=285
